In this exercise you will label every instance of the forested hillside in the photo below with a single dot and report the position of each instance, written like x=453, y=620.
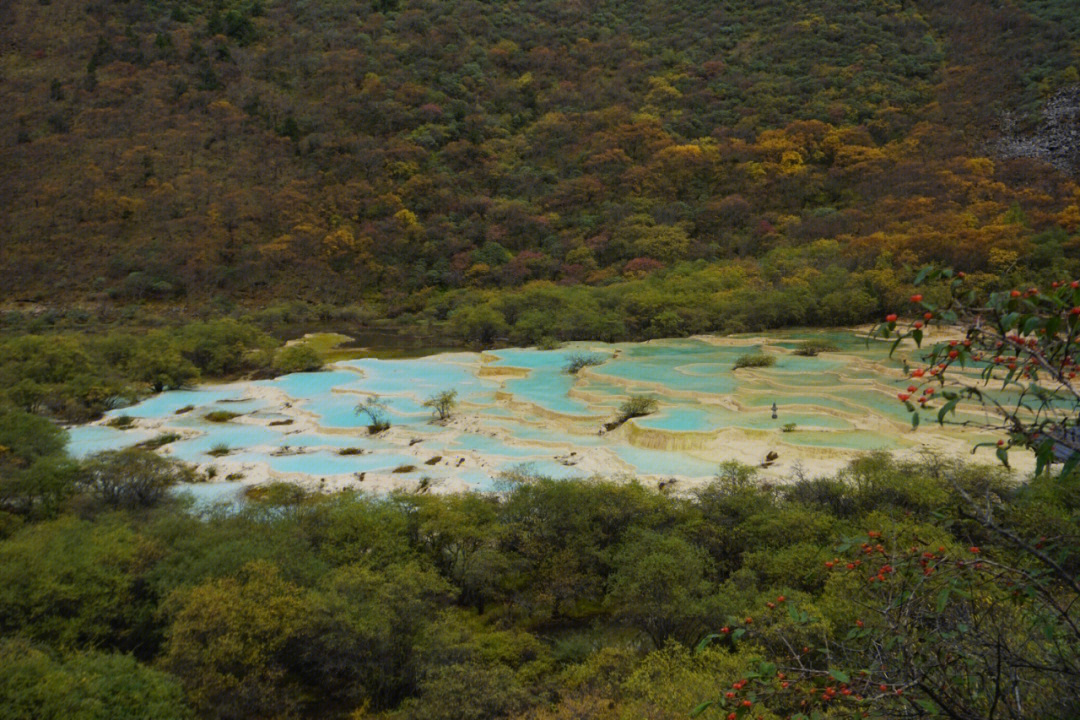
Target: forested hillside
x=768, y=162
x=185, y=185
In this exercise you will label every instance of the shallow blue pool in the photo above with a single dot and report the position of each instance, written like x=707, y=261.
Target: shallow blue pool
x=541, y=412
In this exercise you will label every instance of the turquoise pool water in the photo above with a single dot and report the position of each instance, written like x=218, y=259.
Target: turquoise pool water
x=89, y=439
x=683, y=365
x=321, y=464
x=547, y=385
x=168, y=403
x=312, y=384
x=419, y=378
x=832, y=399
x=680, y=419
x=551, y=434
x=660, y=462
x=799, y=402
x=691, y=419
x=494, y=446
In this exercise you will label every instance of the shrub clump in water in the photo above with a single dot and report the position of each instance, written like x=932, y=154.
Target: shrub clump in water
x=219, y=450
x=755, y=360
x=634, y=406
x=376, y=412
x=577, y=361
x=811, y=348
x=220, y=416
x=160, y=441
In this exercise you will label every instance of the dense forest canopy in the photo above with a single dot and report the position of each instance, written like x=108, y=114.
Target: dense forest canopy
x=554, y=600
x=420, y=157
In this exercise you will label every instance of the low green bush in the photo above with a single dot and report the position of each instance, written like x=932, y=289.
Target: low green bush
x=754, y=360
x=220, y=416
x=578, y=361
x=298, y=357
x=159, y=441
x=810, y=348
x=219, y=450
x=637, y=406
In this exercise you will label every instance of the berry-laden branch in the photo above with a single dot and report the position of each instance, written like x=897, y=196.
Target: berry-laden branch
x=947, y=632
x=1014, y=354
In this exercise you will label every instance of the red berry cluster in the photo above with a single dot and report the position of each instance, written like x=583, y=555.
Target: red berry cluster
x=1026, y=352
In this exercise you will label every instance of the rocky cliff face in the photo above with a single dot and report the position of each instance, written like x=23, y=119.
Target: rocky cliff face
x=1056, y=140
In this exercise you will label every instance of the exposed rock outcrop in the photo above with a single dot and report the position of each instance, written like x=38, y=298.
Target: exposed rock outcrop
x=1056, y=140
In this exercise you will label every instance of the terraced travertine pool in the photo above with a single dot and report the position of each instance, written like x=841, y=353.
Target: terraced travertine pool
x=520, y=411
